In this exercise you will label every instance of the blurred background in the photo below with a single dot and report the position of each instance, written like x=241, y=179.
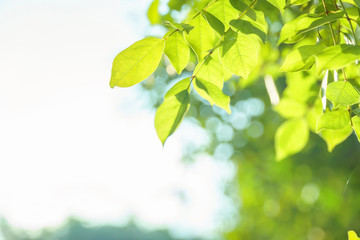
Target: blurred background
x=79, y=160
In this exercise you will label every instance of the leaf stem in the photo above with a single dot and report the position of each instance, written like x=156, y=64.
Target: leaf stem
x=349, y=20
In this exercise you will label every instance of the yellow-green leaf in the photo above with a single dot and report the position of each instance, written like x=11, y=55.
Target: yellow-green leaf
x=201, y=38
x=342, y=93
x=212, y=93
x=170, y=114
x=291, y=137
x=352, y=235
x=356, y=126
x=183, y=85
x=224, y=11
x=335, y=137
x=289, y=108
x=239, y=54
x=153, y=13
x=137, y=62
x=178, y=51
x=211, y=71
x=333, y=120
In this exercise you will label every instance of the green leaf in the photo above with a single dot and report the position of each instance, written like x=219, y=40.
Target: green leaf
x=342, y=93
x=356, y=126
x=279, y=4
x=296, y=2
x=215, y=23
x=335, y=137
x=336, y=57
x=153, y=13
x=224, y=11
x=181, y=26
x=305, y=23
x=183, y=85
x=239, y=53
x=333, y=120
x=201, y=38
x=178, y=51
x=137, y=62
x=289, y=108
x=211, y=71
x=356, y=111
x=291, y=137
x=301, y=58
x=352, y=235
x=250, y=28
x=170, y=113
x=212, y=93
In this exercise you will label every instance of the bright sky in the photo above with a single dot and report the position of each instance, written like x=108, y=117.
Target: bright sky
x=70, y=145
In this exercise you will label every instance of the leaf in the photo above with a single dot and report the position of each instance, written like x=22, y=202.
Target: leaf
x=215, y=23
x=336, y=57
x=201, y=38
x=352, y=235
x=153, y=14
x=342, y=93
x=183, y=85
x=170, y=114
x=248, y=27
x=356, y=111
x=296, y=2
x=335, y=137
x=305, y=23
x=289, y=108
x=137, y=62
x=356, y=126
x=239, y=54
x=181, y=26
x=279, y=4
x=291, y=137
x=211, y=71
x=224, y=11
x=301, y=58
x=178, y=51
x=212, y=93
x=333, y=120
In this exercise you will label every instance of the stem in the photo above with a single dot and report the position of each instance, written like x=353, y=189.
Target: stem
x=349, y=20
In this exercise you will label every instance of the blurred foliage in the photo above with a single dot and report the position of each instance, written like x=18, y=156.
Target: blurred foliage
x=313, y=195
x=77, y=230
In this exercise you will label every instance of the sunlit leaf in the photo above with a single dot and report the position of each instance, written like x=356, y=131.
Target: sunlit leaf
x=181, y=26
x=338, y=56
x=249, y=28
x=183, y=85
x=291, y=137
x=289, y=108
x=333, y=120
x=279, y=4
x=153, y=13
x=342, y=93
x=301, y=58
x=352, y=235
x=239, y=54
x=212, y=93
x=137, y=62
x=335, y=137
x=171, y=112
x=214, y=22
x=224, y=11
x=178, y=51
x=211, y=71
x=202, y=37
x=305, y=23
x=356, y=126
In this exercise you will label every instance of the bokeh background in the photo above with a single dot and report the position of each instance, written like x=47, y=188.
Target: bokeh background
x=79, y=160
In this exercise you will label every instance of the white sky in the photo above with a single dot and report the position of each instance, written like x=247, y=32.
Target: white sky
x=68, y=144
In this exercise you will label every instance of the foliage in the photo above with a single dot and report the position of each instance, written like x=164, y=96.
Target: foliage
x=232, y=37
x=307, y=51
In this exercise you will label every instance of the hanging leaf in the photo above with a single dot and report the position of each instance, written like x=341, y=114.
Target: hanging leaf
x=305, y=23
x=336, y=57
x=279, y=4
x=289, y=108
x=215, y=23
x=239, y=54
x=153, y=13
x=249, y=28
x=137, y=62
x=211, y=71
x=291, y=137
x=181, y=26
x=179, y=87
x=301, y=58
x=212, y=93
x=201, y=38
x=335, y=137
x=352, y=236
x=223, y=11
x=178, y=51
x=172, y=111
x=342, y=93
x=333, y=120
x=356, y=126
